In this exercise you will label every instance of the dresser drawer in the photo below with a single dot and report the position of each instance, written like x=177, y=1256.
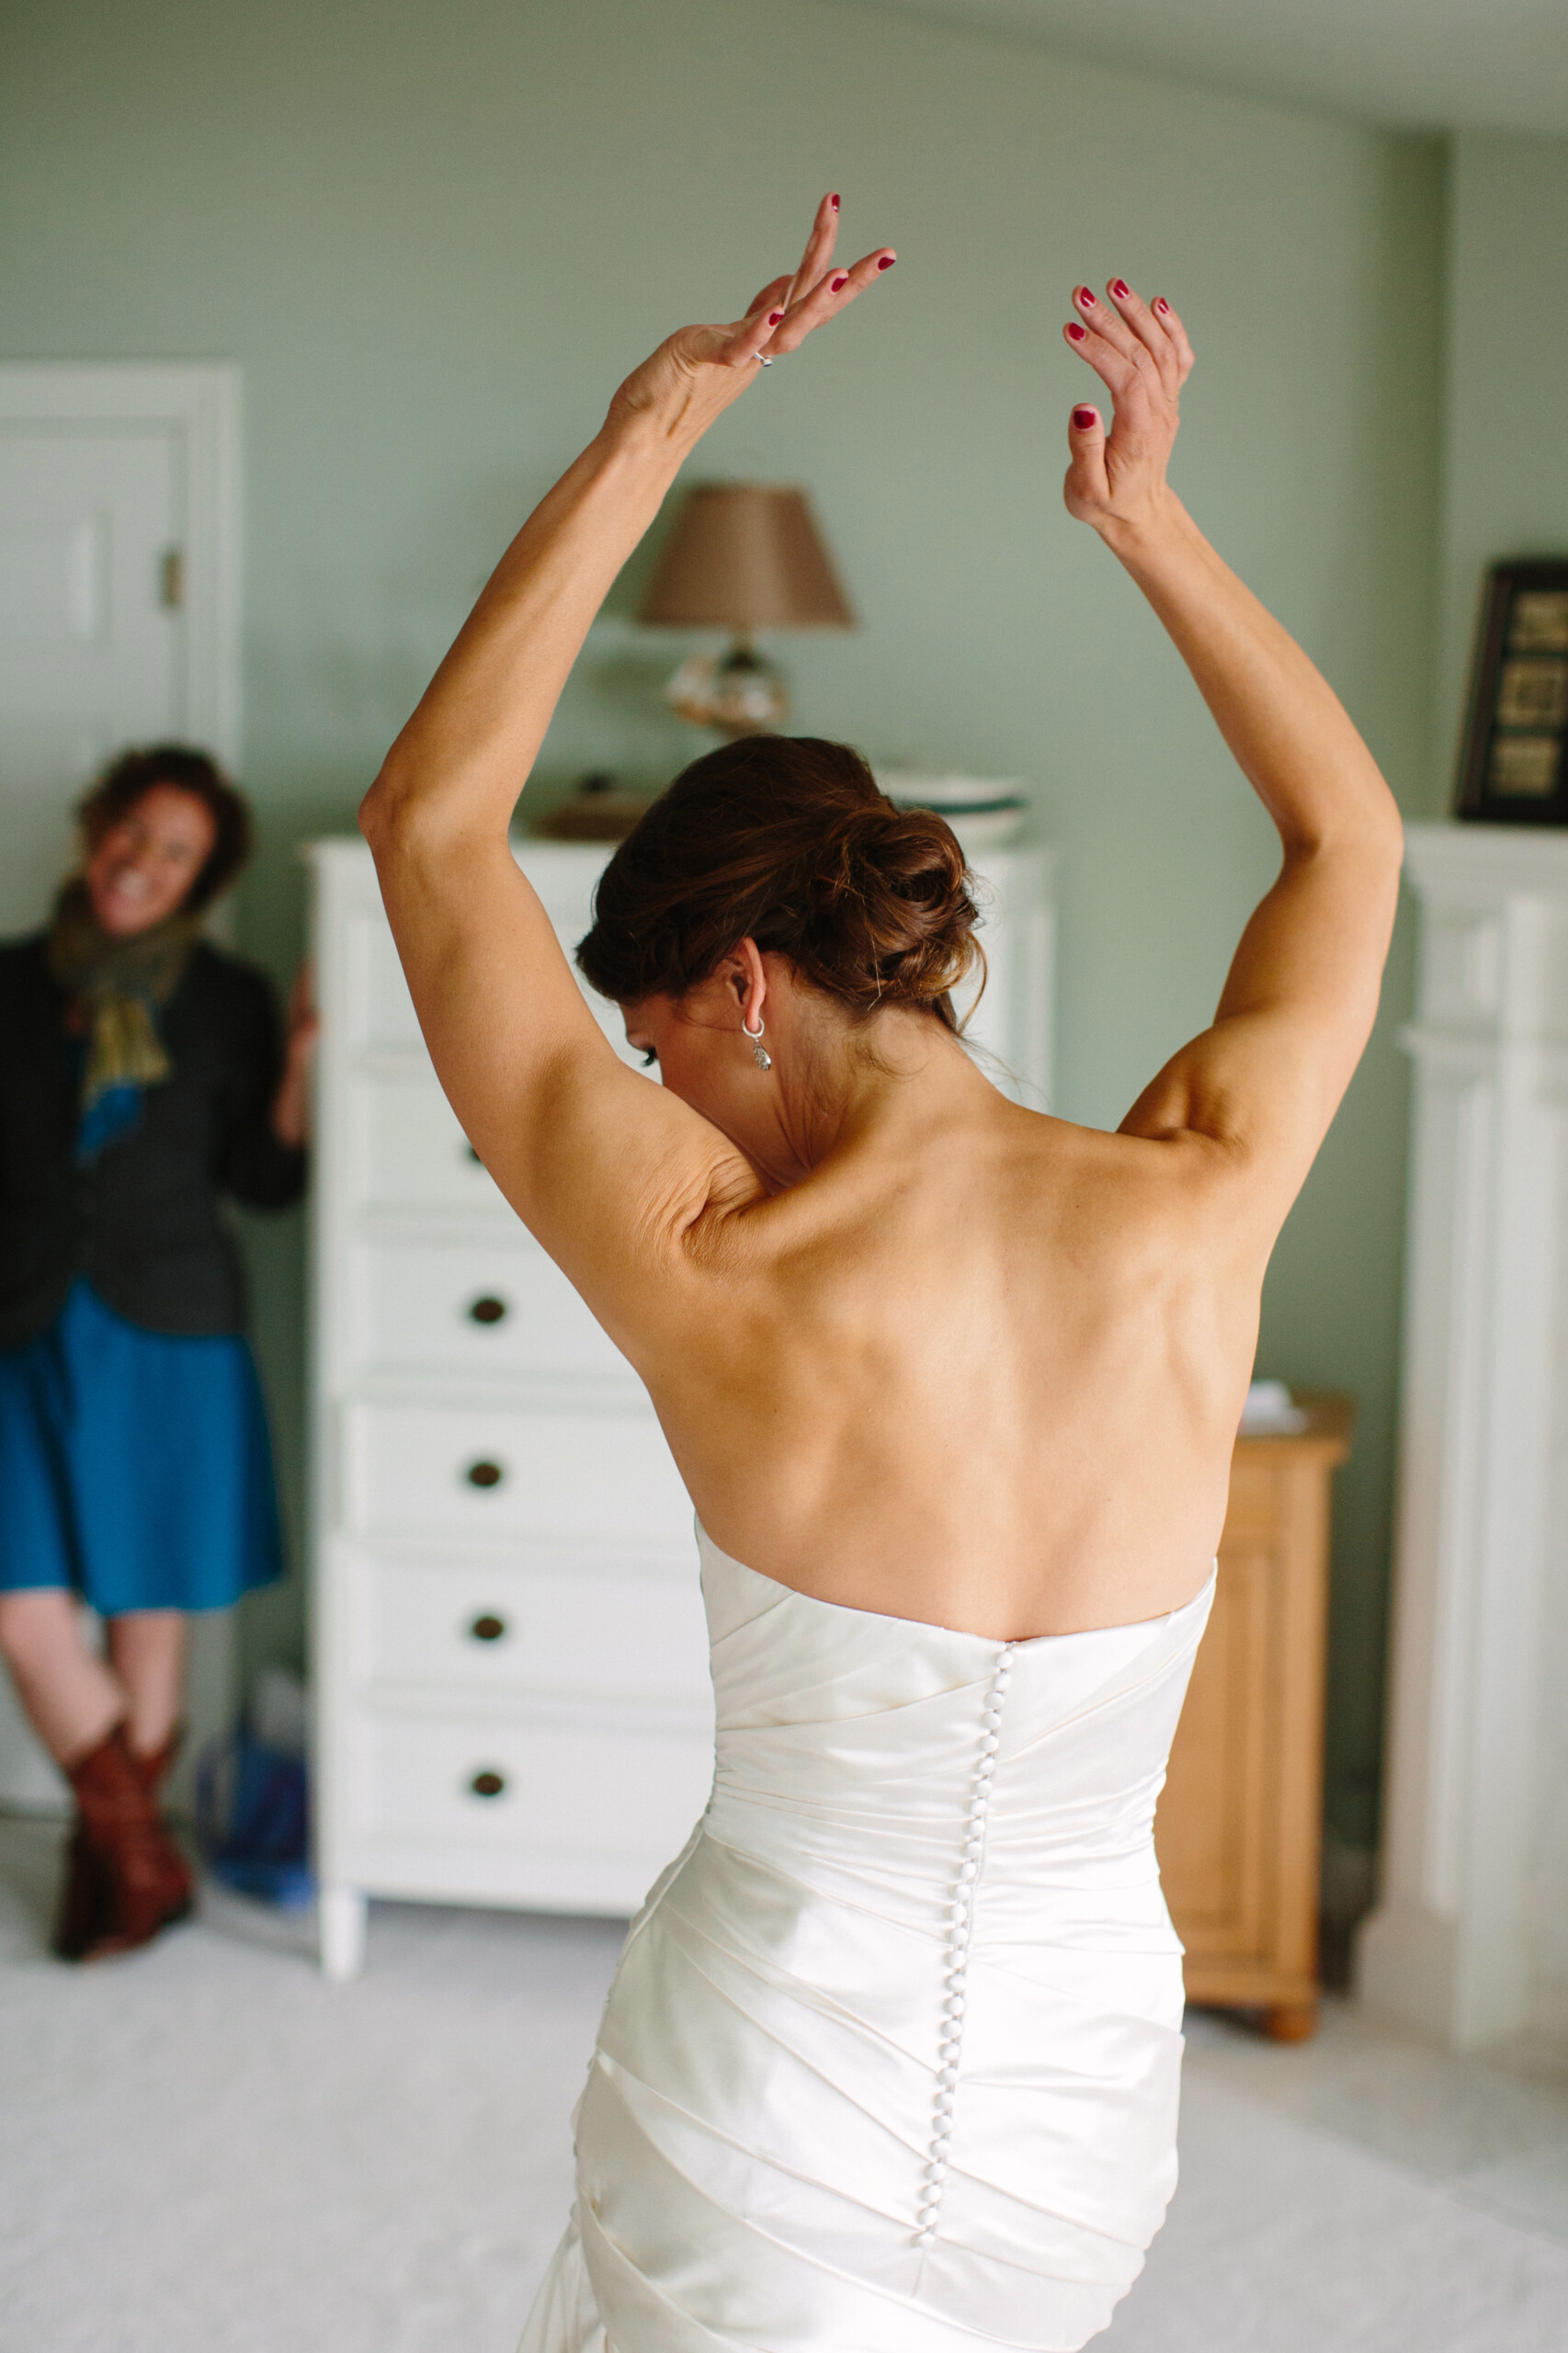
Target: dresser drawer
x=380, y=1011
x=408, y=1152
x=499, y=1782
x=561, y=1630
x=478, y=1308
x=546, y=1475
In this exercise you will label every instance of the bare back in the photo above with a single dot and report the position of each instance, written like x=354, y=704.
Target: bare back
x=915, y=1349
x=984, y=1368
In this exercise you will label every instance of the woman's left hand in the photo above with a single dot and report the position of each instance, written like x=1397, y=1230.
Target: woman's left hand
x=291, y=1104
x=698, y=372
x=1140, y=352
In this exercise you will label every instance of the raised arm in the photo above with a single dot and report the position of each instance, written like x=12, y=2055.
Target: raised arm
x=590, y=1154
x=1298, y=1006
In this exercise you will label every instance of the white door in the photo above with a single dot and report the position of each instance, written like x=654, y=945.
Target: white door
x=119, y=624
x=91, y=641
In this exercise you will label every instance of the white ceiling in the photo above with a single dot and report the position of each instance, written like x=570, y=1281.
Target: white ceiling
x=1424, y=63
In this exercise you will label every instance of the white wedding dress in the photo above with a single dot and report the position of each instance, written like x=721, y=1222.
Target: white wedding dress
x=891, y=2060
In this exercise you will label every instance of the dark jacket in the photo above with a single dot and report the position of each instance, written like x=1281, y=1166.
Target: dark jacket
x=142, y=1222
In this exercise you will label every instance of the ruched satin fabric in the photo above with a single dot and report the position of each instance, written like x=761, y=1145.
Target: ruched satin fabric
x=891, y=2058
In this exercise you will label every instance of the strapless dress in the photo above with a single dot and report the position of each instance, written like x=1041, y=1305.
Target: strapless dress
x=891, y=2058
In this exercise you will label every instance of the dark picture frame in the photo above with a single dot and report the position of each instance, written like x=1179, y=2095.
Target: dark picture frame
x=1514, y=766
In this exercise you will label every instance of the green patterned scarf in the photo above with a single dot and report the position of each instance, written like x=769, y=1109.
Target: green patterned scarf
x=117, y=984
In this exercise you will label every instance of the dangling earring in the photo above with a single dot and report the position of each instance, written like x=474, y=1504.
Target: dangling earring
x=759, y=1053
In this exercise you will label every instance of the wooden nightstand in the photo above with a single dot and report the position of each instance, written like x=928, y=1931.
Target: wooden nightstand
x=1239, y=1827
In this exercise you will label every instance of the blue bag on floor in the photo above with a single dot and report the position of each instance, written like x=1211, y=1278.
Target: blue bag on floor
x=253, y=1819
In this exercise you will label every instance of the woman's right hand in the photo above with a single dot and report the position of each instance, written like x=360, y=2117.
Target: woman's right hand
x=1142, y=354
x=698, y=372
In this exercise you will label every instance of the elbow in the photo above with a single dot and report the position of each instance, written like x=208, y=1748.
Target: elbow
x=392, y=810
x=378, y=811
x=1373, y=836
x=1377, y=840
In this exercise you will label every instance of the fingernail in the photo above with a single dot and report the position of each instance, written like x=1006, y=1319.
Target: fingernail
x=834, y=202
x=1078, y=334
x=1083, y=418
x=774, y=318
x=1161, y=304
x=1085, y=297
x=839, y=284
x=887, y=261
x=1121, y=288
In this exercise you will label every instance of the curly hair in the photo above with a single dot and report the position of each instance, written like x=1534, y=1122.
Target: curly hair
x=133, y=773
x=788, y=841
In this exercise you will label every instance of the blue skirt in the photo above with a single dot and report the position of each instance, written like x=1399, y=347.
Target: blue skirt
x=135, y=1467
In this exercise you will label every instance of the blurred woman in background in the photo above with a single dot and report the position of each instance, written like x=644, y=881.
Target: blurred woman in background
x=144, y=1075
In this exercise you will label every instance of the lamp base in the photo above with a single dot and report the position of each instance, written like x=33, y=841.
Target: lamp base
x=737, y=693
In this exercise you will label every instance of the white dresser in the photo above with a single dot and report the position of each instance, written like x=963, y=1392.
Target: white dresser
x=509, y=1651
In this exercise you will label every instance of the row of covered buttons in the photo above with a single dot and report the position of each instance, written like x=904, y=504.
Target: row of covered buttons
x=960, y=1919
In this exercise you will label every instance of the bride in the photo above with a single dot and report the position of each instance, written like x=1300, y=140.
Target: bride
x=890, y=2063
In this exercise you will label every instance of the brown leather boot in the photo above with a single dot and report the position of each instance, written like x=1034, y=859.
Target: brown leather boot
x=155, y=1764
x=143, y=1882
x=85, y=1891
x=80, y=1914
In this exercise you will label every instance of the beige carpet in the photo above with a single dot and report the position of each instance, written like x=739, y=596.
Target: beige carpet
x=204, y=2149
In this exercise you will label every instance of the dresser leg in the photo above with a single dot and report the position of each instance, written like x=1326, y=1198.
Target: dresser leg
x=1291, y=2021
x=341, y=1930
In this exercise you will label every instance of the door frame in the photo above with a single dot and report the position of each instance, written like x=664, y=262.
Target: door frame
x=200, y=401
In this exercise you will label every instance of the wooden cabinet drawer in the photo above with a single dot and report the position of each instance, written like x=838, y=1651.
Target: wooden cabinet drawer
x=1252, y=1514
x=548, y=1787
x=1216, y=1853
x=561, y=1629
x=482, y=1473
x=1238, y=1827
x=480, y=1308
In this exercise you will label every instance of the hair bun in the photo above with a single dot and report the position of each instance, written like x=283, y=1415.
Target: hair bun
x=895, y=894
x=787, y=841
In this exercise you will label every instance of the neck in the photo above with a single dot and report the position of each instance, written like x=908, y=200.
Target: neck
x=864, y=1083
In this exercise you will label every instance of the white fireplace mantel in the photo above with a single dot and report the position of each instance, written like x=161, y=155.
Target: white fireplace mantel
x=1470, y=1940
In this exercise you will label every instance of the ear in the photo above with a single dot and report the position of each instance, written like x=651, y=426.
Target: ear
x=745, y=972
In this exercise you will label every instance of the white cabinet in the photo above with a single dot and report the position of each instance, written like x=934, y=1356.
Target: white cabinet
x=510, y=1665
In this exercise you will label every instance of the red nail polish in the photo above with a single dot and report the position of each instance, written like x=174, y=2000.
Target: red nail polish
x=1083, y=418
x=1078, y=334
x=1086, y=299
x=1121, y=288
x=834, y=202
x=774, y=317
x=839, y=284
x=887, y=261
x=1160, y=305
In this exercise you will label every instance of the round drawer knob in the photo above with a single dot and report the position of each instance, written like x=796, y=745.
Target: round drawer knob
x=488, y=1310
x=488, y=1784
x=488, y=1629
x=485, y=1474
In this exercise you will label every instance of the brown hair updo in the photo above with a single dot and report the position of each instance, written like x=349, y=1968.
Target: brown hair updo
x=785, y=840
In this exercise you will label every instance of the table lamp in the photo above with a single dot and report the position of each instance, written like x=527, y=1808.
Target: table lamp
x=743, y=556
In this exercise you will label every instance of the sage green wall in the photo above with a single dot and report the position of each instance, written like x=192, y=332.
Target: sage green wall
x=1506, y=446
x=437, y=235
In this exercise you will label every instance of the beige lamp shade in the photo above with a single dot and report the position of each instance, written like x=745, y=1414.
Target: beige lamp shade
x=746, y=556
